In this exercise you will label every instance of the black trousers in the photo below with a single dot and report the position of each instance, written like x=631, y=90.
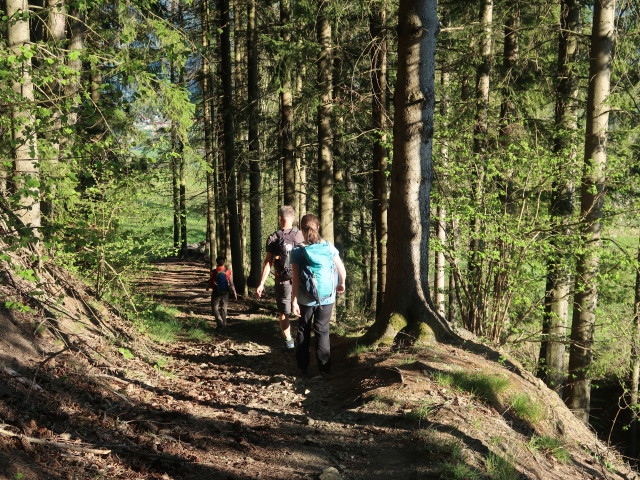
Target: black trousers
x=316, y=319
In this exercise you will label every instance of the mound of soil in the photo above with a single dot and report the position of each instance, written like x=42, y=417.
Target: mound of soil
x=91, y=398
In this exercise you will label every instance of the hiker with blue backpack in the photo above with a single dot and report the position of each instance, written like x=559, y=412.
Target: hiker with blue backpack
x=318, y=274
x=220, y=283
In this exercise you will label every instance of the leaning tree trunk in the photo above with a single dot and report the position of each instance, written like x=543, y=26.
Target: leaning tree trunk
x=255, y=173
x=558, y=286
x=25, y=148
x=591, y=200
x=407, y=302
x=325, y=132
x=226, y=71
x=379, y=113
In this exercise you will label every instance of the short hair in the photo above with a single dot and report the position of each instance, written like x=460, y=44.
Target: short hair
x=220, y=260
x=287, y=211
x=310, y=226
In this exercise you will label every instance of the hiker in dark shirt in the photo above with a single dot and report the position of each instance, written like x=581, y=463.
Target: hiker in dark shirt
x=220, y=282
x=318, y=273
x=279, y=244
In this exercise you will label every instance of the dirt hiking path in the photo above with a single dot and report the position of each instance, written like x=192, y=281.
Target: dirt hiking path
x=248, y=415
x=96, y=400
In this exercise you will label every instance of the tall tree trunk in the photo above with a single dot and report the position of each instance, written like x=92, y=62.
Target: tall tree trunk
x=474, y=317
x=591, y=200
x=558, y=286
x=453, y=312
x=407, y=302
x=207, y=120
x=240, y=132
x=237, y=259
x=378, y=20
x=301, y=158
x=286, y=111
x=509, y=130
x=255, y=173
x=175, y=182
x=371, y=261
x=441, y=211
x=181, y=172
x=24, y=140
x=338, y=166
x=325, y=132
x=635, y=364
x=55, y=34
x=183, y=197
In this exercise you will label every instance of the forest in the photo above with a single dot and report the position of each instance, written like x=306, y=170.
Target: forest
x=477, y=166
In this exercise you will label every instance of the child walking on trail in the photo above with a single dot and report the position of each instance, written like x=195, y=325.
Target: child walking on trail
x=315, y=264
x=220, y=283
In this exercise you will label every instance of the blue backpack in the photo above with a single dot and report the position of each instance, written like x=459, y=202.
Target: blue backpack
x=221, y=282
x=317, y=272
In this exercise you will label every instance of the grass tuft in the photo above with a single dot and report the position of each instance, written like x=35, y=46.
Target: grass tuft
x=457, y=471
x=526, y=408
x=422, y=412
x=550, y=446
x=485, y=387
x=499, y=468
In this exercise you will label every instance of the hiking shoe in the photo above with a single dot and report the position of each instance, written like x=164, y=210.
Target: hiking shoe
x=289, y=344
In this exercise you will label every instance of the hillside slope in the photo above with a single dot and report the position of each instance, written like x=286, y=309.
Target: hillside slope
x=89, y=397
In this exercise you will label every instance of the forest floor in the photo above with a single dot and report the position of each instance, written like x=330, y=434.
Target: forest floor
x=235, y=407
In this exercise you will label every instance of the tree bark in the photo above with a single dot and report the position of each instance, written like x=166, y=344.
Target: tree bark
x=325, y=132
x=558, y=285
x=226, y=71
x=207, y=120
x=175, y=183
x=301, y=156
x=378, y=20
x=591, y=201
x=255, y=173
x=286, y=112
x=407, y=304
x=24, y=139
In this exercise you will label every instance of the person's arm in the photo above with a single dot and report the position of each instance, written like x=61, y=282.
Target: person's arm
x=209, y=282
x=233, y=287
x=342, y=274
x=266, y=268
x=295, y=289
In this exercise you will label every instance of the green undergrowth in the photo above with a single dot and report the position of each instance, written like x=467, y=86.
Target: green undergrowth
x=455, y=464
x=494, y=390
x=500, y=468
x=550, y=446
x=164, y=325
x=422, y=412
x=486, y=388
x=525, y=408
